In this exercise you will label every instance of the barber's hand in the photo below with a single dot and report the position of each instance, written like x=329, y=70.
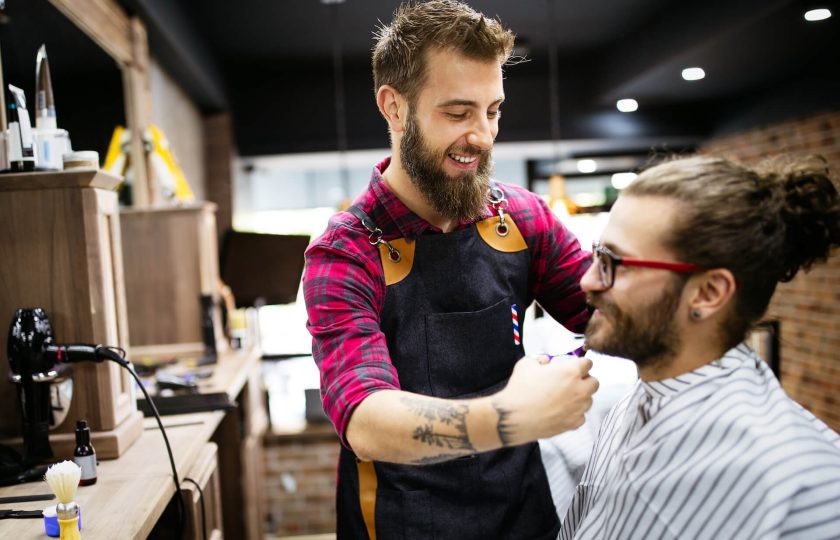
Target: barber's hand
x=545, y=398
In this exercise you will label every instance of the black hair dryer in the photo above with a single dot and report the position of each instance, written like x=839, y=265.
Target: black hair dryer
x=30, y=334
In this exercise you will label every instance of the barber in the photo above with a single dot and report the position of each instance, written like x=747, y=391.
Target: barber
x=416, y=297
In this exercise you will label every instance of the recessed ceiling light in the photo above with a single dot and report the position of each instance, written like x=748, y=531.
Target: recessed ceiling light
x=693, y=74
x=627, y=105
x=621, y=180
x=814, y=15
x=587, y=166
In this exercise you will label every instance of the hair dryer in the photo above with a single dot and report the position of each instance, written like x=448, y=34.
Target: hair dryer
x=34, y=358
x=29, y=335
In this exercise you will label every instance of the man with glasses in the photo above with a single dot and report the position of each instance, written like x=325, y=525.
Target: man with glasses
x=707, y=445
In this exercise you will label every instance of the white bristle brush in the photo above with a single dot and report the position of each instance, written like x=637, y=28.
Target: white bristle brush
x=64, y=478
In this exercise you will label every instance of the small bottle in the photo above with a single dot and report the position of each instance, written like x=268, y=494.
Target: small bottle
x=208, y=330
x=84, y=455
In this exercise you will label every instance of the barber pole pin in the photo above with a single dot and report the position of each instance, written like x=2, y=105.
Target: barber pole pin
x=516, y=339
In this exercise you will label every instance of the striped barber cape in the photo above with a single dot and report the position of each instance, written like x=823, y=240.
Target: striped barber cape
x=720, y=452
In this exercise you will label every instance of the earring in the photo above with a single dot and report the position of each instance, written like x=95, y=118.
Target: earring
x=695, y=314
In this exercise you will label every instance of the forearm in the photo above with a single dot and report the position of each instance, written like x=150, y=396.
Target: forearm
x=540, y=400
x=402, y=427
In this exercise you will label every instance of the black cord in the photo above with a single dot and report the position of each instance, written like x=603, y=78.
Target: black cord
x=201, y=501
x=117, y=355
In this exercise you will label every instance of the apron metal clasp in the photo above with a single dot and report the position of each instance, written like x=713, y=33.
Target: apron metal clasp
x=497, y=199
x=375, y=238
x=501, y=227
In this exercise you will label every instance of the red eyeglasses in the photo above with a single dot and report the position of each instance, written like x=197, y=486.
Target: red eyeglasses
x=607, y=262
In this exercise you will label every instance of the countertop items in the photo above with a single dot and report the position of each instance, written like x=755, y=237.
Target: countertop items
x=143, y=473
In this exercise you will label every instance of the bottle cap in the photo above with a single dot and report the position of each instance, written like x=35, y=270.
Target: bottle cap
x=51, y=526
x=82, y=432
x=81, y=160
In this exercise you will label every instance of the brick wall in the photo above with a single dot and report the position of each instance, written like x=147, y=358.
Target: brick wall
x=300, y=481
x=808, y=308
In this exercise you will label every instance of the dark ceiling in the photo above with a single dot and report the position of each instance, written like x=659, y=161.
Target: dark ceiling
x=271, y=63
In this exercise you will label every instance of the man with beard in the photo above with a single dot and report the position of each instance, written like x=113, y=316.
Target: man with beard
x=415, y=298
x=707, y=445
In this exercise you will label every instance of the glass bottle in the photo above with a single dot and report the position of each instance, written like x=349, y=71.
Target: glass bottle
x=84, y=455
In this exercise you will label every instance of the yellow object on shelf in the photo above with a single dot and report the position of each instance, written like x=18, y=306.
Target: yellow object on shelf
x=117, y=156
x=166, y=169
x=163, y=164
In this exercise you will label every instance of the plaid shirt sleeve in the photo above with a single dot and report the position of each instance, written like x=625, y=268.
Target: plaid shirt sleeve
x=557, y=261
x=344, y=290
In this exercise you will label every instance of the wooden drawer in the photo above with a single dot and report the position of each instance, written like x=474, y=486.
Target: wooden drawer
x=205, y=473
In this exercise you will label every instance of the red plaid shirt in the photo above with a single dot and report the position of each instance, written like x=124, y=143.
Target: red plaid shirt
x=344, y=287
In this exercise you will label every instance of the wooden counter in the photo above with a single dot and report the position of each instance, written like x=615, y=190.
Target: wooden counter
x=132, y=491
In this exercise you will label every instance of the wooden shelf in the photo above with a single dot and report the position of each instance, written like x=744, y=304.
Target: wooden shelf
x=171, y=261
x=59, y=180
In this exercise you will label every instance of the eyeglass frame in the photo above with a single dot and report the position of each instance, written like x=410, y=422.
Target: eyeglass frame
x=615, y=261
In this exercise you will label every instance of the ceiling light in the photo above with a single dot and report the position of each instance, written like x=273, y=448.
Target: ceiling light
x=587, y=166
x=814, y=15
x=693, y=74
x=627, y=105
x=621, y=180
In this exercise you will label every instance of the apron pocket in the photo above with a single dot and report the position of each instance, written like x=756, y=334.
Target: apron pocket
x=403, y=515
x=470, y=352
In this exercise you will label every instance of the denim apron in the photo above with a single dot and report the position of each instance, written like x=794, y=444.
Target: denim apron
x=448, y=320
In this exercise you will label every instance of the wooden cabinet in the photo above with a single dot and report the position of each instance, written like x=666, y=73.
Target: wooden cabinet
x=203, y=499
x=60, y=248
x=240, y=439
x=171, y=261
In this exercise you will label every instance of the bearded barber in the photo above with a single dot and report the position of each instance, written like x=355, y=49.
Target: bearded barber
x=416, y=297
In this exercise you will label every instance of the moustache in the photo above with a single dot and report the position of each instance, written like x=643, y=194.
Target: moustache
x=468, y=151
x=594, y=302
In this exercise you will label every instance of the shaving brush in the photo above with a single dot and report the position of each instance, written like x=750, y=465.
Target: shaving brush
x=64, y=478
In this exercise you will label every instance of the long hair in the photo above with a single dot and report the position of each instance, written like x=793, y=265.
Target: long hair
x=763, y=223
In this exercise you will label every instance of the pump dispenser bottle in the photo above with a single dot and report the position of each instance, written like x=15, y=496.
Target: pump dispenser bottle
x=84, y=455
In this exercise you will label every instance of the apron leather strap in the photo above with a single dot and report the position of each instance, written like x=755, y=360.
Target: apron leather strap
x=396, y=269
x=367, y=495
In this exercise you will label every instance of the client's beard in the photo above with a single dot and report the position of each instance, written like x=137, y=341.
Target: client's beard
x=646, y=334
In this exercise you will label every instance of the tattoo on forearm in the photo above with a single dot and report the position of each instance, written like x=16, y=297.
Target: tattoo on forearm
x=504, y=426
x=444, y=426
